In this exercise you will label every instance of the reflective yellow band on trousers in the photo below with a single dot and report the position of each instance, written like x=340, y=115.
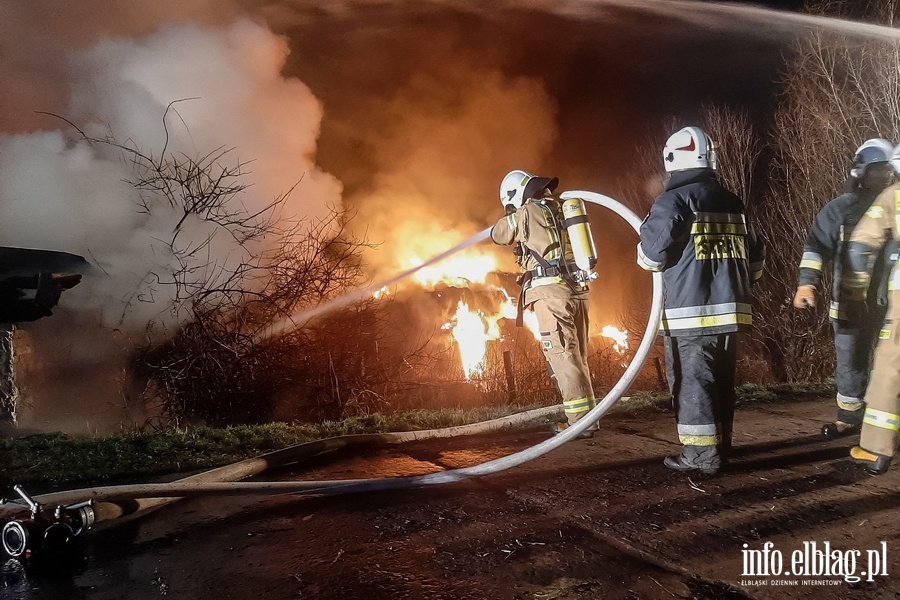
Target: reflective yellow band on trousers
x=578, y=405
x=705, y=321
x=700, y=440
x=849, y=403
x=880, y=418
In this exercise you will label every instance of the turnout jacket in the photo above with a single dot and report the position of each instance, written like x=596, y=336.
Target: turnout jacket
x=532, y=227
x=877, y=234
x=697, y=235
x=827, y=241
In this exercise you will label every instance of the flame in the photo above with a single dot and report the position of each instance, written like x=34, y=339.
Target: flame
x=619, y=337
x=509, y=310
x=471, y=331
x=475, y=267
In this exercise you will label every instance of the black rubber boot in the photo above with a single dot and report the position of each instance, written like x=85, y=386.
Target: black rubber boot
x=677, y=463
x=840, y=429
x=876, y=464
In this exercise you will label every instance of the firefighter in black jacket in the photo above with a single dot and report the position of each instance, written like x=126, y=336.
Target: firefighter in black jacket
x=856, y=314
x=696, y=234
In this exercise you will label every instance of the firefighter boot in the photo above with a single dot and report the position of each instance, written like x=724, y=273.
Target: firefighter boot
x=695, y=459
x=876, y=464
x=840, y=429
x=560, y=426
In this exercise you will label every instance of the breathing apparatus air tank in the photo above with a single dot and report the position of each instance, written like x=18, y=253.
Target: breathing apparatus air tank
x=575, y=220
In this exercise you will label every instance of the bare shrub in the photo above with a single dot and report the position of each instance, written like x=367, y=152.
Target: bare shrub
x=838, y=92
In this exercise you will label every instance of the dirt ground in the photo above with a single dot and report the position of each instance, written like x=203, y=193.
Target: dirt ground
x=600, y=518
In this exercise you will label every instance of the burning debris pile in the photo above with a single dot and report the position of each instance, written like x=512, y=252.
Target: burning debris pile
x=475, y=306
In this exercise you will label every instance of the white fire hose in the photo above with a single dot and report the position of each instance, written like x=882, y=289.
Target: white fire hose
x=222, y=480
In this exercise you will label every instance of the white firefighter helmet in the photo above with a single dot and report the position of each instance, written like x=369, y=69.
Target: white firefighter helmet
x=518, y=187
x=876, y=150
x=689, y=148
x=895, y=158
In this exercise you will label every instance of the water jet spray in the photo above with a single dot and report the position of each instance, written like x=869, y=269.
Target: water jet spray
x=102, y=500
x=298, y=319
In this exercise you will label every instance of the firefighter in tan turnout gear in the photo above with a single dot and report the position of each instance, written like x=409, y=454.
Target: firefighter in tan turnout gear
x=856, y=314
x=879, y=231
x=554, y=247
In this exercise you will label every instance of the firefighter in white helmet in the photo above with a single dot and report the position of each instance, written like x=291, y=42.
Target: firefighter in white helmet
x=856, y=314
x=875, y=238
x=696, y=234
x=554, y=247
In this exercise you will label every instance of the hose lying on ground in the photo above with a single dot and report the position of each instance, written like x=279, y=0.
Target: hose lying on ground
x=114, y=501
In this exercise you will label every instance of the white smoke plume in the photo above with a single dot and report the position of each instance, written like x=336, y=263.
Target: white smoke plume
x=59, y=194
x=112, y=70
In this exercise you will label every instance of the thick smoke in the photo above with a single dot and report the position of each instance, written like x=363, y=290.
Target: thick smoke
x=61, y=194
x=451, y=137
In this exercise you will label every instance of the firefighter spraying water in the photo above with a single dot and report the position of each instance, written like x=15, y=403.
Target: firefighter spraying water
x=554, y=247
x=27, y=521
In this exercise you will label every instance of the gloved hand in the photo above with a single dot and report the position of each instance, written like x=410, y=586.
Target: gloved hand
x=805, y=296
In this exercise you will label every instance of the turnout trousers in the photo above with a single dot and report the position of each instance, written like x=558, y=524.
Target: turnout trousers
x=564, y=340
x=882, y=417
x=854, y=346
x=701, y=374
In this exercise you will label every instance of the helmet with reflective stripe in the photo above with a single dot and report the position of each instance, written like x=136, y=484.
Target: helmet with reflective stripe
x=518, y=187
x=876, y=150
x=689, y=148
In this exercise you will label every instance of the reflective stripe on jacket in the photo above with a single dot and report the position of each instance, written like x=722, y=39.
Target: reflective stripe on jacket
x=697, y=235
x=829, y=235
x=532, y=226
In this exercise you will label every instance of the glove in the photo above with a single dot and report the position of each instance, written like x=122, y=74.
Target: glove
x=805, y=296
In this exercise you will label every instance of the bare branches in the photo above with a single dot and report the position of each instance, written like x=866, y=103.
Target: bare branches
x=838, y=92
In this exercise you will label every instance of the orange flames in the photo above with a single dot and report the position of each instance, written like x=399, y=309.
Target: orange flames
x=619, y=337
x=473, y=329
x=457, y=271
